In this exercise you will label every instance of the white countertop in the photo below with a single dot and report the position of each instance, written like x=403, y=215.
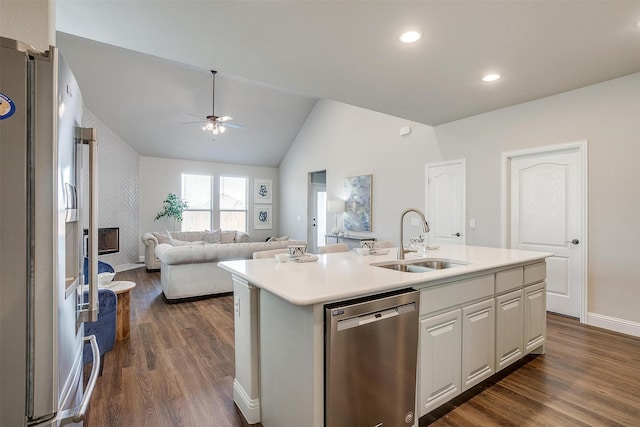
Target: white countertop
x=346, y=275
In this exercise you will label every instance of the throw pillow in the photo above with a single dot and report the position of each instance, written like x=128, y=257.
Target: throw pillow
x=176, y=242
x=228, y=236
x=162, y=238
x=278, y=239
x=212, y=236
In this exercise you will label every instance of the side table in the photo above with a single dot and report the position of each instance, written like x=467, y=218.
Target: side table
x=123, y=316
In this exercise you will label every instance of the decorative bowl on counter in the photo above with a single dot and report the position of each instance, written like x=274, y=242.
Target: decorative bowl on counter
x=282, y=257
x=104, y=279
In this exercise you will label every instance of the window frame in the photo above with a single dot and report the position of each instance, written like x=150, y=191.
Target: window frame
x=221, y=178
x=211, y=209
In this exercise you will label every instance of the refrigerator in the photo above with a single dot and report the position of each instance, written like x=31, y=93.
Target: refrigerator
x=47, y=160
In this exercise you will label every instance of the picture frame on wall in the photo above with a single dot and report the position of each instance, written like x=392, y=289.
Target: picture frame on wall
x=262, y=217
x=262, y=191
x=358, y=192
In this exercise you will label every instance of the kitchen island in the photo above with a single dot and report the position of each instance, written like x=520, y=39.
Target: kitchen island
x=497, y=296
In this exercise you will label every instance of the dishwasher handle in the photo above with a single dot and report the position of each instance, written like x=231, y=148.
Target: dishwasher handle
x=376, y=316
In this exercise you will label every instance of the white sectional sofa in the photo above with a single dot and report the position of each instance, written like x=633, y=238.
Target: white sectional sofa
x=189, y=268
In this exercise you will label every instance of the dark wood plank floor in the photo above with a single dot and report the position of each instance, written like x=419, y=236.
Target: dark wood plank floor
x=177, y=370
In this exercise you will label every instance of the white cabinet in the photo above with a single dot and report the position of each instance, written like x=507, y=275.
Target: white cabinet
x=478, y=341
x=535, y=318
x=509, y=328
x=473, y=328
x=440, y=359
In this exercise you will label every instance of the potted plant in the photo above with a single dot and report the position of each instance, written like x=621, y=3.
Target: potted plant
x=172, y=207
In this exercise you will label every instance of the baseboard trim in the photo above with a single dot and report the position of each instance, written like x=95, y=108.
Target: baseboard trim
x=614, y=324
x=250, y=408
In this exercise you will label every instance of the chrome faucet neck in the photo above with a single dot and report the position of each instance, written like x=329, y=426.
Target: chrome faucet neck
x=425, y=226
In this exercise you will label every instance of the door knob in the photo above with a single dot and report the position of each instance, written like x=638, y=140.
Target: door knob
x=573, y=242
x=456, y=234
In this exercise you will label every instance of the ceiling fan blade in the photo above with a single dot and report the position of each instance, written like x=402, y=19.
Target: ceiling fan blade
x=190, y=123
x=224, y=119
x=234, y=125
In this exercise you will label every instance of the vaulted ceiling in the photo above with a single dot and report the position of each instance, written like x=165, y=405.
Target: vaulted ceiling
x=143, y=66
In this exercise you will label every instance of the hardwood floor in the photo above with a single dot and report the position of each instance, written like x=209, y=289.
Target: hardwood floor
x=177, y=370
x=177, y=367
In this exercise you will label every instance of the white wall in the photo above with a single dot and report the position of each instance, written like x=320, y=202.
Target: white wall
x=118, y=190
x=159, y=176
x=348, y=141
x=608, y=116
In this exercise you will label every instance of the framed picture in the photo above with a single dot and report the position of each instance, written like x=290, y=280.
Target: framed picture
x=262, y=217
x=262, y=189
x=357, y=211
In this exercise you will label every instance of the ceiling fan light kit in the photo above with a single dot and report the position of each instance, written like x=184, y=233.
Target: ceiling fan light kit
x=213, y=123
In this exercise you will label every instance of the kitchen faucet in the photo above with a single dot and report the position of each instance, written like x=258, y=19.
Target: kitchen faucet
x=401, y=249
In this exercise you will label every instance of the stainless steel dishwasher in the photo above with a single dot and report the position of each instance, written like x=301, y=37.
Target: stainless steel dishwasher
x=371, y=347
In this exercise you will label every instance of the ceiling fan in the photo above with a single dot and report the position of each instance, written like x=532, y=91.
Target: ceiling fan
x=216, y=124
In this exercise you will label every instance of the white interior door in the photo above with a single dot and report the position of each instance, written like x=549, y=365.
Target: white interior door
x=546, y=191
x=318, y=220
x=446, y=202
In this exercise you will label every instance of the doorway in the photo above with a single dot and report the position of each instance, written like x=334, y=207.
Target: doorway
x=317, y=208
x=545, y=209
x=445, y=198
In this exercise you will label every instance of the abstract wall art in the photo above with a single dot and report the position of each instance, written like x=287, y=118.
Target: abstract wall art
x=262, y=217
x=358, y=191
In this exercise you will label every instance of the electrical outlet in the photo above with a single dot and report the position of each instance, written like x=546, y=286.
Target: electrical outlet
x=236, y=305
x=472, y=223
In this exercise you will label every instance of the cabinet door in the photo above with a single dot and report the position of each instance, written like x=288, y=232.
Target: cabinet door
x=509, y=328
x=440, y=360
x=478, y=343
x=535, y=317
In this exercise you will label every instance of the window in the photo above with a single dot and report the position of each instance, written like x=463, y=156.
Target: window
x=196, y=190
x=233, y=203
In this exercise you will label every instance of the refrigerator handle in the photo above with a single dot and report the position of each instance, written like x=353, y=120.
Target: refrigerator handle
x=75, y=415
x=88, y=136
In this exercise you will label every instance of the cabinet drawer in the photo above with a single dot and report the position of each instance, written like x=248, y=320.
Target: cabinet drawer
x=535, y=273
x=509, y=280
x=455, y=293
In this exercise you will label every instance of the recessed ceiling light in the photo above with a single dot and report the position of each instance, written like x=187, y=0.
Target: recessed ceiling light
x=410, y=37
x=490, y=77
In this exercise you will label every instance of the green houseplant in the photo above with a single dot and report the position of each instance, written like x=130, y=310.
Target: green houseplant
x=172, y=207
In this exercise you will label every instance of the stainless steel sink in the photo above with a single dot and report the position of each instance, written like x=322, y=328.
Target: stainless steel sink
x=420, y=265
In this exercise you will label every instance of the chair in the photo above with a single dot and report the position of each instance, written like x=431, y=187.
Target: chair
x=105, y=327
x=270, y=253
x=336, y=247
x=384, y=244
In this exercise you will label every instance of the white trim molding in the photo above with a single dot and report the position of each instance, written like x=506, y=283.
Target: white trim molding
x=614, y=324
x=249, y=407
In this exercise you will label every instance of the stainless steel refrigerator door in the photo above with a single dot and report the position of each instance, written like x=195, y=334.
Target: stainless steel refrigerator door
x=13, y=226
x=41, y=352
x=68, y=107
x=371, y=358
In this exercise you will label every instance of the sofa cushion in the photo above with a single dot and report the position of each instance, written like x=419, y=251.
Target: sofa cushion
x=212, y=236
x=176, y=242
x=162, y=238
x=187, y=236
x=228, y=236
